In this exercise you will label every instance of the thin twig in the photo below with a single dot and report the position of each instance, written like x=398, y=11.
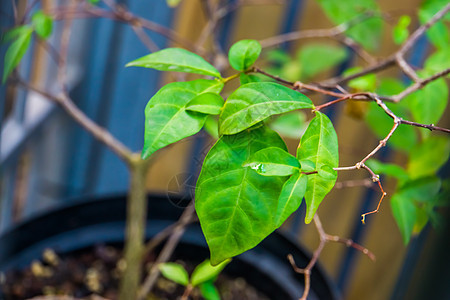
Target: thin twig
x=79, y=116
x=167, y=251
x=324, y=238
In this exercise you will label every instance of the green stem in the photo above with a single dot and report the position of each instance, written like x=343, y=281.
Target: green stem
x=135, y=229
x=226, y=79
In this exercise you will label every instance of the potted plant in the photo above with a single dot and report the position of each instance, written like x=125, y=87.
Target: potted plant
x=249, y=183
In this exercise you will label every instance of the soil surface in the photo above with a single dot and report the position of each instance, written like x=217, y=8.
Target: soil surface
x=96, y=271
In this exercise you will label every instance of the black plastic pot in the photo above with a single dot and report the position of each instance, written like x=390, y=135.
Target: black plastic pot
x=87, y=223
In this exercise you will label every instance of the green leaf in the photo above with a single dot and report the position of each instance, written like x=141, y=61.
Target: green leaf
x=211, y=126
x=429, y=103
x=319, y=144
x=291, y=125
x=207, y=103
x=421, y=190
x=400, y=32
x=307, y=165
x=247, y=78
x=166, y=117
x=254, y=102
x=43, y=24
x=15, y=32
x=16, y=51
x=363, y=83
x=367, y=32
x=438, y=61
x=404, y=138
x=177, y=60
x=290, y=197
x=421, y=219
x=209, y=291
x=317, y=58
x=273, y=161
x=93, y=2
x=388, y=169
x=438, y=34
x=428, y=157
x=243, y=54
x=235, y=205
x=405, y=215
x=327, y=172
x=206, y=272
x=174, y=272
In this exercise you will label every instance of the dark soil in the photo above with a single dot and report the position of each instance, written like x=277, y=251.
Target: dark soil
x=96, y=271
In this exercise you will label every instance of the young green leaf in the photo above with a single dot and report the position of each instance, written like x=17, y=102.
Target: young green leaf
x=247, y=78
x=438, y=61
x=43, y=24
x=254, y=102
x=14, y=33
x=428, y=157
x=290, y=197
x=400, y=32
x=177, y=60
x=209, y=291
x=366, y=32
x=166, y=117
x=235, y=205
x=319, y=144
x=421, y=190
x=16, y=51
x=317, y=58
x=438, y=34
x=364, y=83
x=388, y=169
x=273, y=161
x=291, y=125
x=243, y=54
x=327, y=172
x=429, y=103
x=405, y=215
x=174, y=272
x=206, y=272
x=206, y=103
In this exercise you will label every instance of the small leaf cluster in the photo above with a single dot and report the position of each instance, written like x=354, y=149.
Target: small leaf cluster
x=20, y=38
x=202, y=277
x=249, y=184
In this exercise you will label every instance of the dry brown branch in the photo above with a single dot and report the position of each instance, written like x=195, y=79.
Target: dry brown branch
x=324, y=238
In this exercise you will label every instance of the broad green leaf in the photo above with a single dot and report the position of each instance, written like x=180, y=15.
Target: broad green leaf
x=319, y=144
x=206, y=272
x=243, y=54
x=363, y=83
x=388, y=169
x=317, y=58
x=405, y=215
x=211, y=126
x=177, y=60
x=327, y=172
x=429, y=103
x=254, y=102
x=43, y=24
x=206, y=103
x=428, y=157
x=209, y=291
x=307, y=165
x=290, y=197
x=273, y=161
x=166, y=117
x=421, y=219
x=422, y=190
x=247, y=78
x=235, y=205
x=174, y=272
x=16, y=51
x=404, y=138
x=438, y=34
x=438, y=61
x=15, y=32
x=368, y=31
x=291, y=125
x=400, y=32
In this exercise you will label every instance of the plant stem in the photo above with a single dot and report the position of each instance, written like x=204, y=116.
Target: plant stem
x=135, y=229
